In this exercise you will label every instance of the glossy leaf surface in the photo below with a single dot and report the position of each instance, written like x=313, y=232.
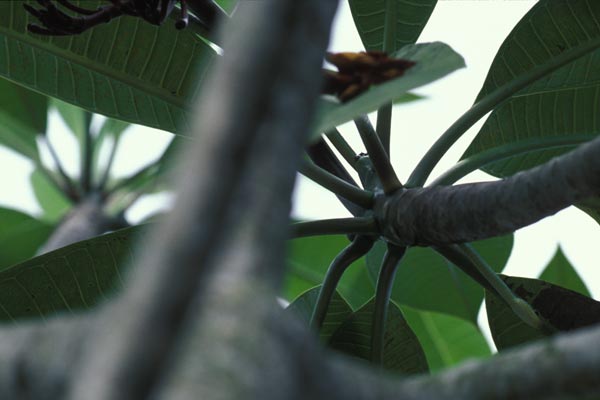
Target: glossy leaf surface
x=388, y=25
x=402, y=351
x=561, y=107
x=303, y=306
x=126, y=69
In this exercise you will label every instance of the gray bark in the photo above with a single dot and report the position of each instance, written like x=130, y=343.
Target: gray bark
x=437, y=216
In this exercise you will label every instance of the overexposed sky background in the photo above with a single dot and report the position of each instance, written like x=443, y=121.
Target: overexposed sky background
x=475, y=29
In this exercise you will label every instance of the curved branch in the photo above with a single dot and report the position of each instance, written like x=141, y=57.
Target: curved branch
x=335, y=226
x=465, y=213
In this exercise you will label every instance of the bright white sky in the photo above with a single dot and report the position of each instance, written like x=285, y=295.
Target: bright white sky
x=475, y=29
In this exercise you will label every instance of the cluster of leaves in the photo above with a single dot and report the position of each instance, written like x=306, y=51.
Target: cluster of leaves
x=151, y=77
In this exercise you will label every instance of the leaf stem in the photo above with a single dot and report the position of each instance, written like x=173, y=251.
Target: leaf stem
x=342, y=146
x=383, y=292
x=335, y=226
x=355, y=250
x=488, y=103
x=479, y=160
x=336, y=185
x=66, y=186
x=384, y=126
x=87, y=155
x=520, y=307
x=101, y=186
x=378, y=155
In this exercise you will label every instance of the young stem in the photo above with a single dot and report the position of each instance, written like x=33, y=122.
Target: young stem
x=342, y=146
x=87, y=156
x=520, y=307
x=378, y=155
x=106, y=173
x=468, y=165
x=488, y=103
x=335, y=226
x=341, y=188
x=358, y=248
x=383, y=292
x=384, y=126
x=67, y=186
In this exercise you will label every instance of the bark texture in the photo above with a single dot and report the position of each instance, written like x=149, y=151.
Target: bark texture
x=465, y=213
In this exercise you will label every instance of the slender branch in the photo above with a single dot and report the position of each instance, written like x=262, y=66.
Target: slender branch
x=322, y=155
x=488, y=103
x=358, y=248
x=384, y=126
x=102, y=182
x=71, y=189
x=87, y=155
x=127, y=181
x=335, y=226
x=336, y=185
x=378, y=155
x=383, y=292
x=465, y=213
x=342, y=146
x=479, y=160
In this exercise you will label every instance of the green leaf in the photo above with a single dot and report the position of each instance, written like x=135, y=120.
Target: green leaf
x=337, y=312
x=446, y=340
x=561, y=309
x=308, y=260
x=23, y=116
x=52, y=201
x=21, y=236
x=433, y=61
x=73, y=278
x=402, y=351
x=126, y=69
x=77, y=119
x=591, y=207
x=558, y=108
x=560, y=272
x=427, y=281
x=388, y=25
x=227, y=5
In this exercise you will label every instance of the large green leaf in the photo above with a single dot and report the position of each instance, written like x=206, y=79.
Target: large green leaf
x=561, y=107
x=308, y=261
x=427, y=281
x=388, y=25
x=72, y=278
x=126, y=69
x=562, y=310
x=53, y=202
x=337, y=312
x=20, y=236
x=560, y=272
x=402, y=351
x=23, y=116
x=446, y=340
x=433, y=61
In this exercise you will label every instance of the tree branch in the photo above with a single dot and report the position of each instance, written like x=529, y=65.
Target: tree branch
x=465, y=213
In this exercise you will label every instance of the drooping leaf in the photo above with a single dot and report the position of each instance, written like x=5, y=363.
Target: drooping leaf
x=302, y=307
x=433, y=61
x=126, y=69
x=561, y=272
x=20, y=236
x=531, y=116
x=308, y=261
x=446, y=340
x=388, y=25
x=402, y=351
x=562, y=310
x=23, y=116
x=52, y=201
x=75, y=277
x=427, y=281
